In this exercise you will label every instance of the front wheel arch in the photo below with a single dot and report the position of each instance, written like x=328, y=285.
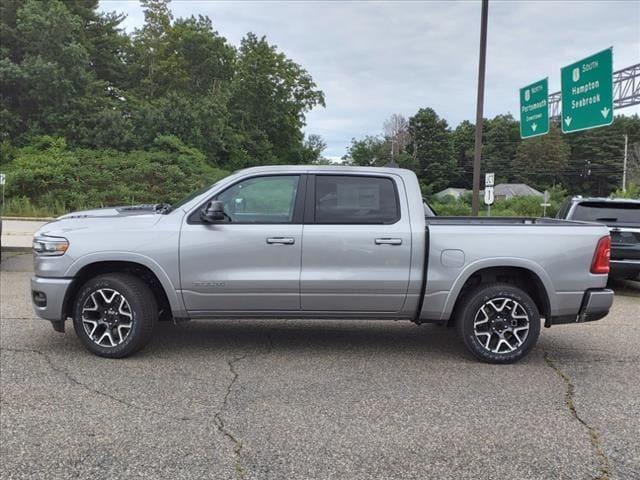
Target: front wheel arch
x=138, y=270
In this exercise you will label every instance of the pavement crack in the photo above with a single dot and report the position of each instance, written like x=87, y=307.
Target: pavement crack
x=219, y=420
x=604, y=472
x=218, y=417
x=88, y=388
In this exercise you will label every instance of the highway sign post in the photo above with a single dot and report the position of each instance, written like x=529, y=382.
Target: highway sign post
x=534, y=109
x=489, y=179
x=545, y=203
x=3, y=179
x=488, y=199
x=587, y=92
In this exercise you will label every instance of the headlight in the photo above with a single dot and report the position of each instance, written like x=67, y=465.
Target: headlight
x=50, y=246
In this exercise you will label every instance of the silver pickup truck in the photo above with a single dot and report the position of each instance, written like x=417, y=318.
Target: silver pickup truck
x=317, y=242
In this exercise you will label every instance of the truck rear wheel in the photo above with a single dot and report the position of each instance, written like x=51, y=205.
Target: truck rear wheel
x=498, y=323
x=114, y=315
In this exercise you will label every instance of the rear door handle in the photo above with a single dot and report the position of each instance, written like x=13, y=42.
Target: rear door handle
x=280, y=240
x=388, y=241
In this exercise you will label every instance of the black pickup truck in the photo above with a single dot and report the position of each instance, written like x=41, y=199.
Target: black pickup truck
x=622, y=216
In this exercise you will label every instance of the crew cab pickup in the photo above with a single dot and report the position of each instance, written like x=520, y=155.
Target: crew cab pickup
x=317, y=242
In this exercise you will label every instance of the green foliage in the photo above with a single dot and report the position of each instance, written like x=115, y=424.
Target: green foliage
x=68, y=71
x=501, y=140
x=540, y=161
x=370, y=151
x=269, y=96
x=81, y=102
x=513, y=207
x=463, y=142
x=431, y=147
x=54, y=177
x=632, y=191
x=585, y=163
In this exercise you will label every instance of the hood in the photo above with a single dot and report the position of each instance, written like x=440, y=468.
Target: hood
x=127, y=211
x=107, y=220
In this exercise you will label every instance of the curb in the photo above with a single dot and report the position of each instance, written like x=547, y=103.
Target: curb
x=16, y=249
x=30, y=219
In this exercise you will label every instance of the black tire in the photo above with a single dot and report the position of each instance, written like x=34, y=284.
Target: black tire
x=141, y=313
x=498, y=325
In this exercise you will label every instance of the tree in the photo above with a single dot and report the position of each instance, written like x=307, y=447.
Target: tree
x=312, y=149
x=58, y=62
x=370, y=151
x=595, y=164
x=152, y=57
x=500, y=142
x=431, y=147
x=541, y=161
x=463, y=142
x=396, y=130
x=270, y=95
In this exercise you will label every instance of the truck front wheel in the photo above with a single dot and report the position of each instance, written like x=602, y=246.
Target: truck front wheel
x=114, y=314
x=498, y=323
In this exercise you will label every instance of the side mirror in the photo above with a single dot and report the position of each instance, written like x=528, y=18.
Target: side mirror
x=213, y=212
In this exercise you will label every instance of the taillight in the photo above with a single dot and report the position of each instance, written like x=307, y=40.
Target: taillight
x=600, y=262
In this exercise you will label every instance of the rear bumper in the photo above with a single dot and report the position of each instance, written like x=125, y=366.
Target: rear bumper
x=596, y=304
x=624, y=268
x=48, y=295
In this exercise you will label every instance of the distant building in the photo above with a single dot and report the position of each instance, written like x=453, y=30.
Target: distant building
x=502, y=191
x=505, y=191
x=452, y=192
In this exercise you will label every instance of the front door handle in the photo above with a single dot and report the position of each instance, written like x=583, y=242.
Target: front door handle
x=388, y=241
x=280, y=240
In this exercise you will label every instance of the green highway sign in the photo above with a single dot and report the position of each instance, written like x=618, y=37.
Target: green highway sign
x=534, y=109
x=587, y=92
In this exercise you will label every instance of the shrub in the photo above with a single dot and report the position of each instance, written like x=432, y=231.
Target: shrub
x=47, y=177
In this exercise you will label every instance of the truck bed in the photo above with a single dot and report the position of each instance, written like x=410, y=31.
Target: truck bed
x=501, y=221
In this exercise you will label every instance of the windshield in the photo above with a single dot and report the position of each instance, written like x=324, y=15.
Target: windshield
x=614, y=212
x=192, y=195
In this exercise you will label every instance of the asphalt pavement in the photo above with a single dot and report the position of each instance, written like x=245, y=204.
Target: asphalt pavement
x=232, y=399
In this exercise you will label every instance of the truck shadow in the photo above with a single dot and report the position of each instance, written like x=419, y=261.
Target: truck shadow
x=625, y=287
x=255, y=337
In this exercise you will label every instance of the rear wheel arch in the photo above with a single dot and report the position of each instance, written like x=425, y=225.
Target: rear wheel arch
x=521, y=277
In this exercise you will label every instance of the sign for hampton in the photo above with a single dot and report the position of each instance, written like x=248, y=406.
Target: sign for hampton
x=587, y=92
x=534, y=109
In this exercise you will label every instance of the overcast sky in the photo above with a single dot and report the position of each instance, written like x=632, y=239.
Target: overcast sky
x=373, y=59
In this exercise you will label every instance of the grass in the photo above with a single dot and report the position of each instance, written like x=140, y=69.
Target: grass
x=24, y=207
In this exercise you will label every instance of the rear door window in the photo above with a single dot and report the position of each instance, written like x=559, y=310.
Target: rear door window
x=351, y=199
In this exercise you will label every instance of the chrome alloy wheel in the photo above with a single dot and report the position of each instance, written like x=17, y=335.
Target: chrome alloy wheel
x=501, y=325
x=107, y=318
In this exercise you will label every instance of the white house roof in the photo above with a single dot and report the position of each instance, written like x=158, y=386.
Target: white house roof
x=452, y=191
x=515, y=190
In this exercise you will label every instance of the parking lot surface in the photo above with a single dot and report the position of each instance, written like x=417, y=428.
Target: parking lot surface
x=316, y=399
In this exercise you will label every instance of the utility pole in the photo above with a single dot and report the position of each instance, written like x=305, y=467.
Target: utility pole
x=624, y=163
x=475, y=201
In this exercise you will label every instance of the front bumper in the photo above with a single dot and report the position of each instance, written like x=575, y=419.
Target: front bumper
x=596, y=304
x=48, y=296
